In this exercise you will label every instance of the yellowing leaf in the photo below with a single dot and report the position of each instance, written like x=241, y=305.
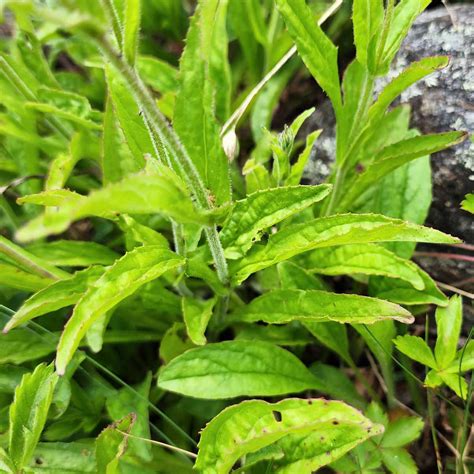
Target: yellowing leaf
x=322, y=426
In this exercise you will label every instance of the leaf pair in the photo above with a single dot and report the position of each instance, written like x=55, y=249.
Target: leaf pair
x=446, y=363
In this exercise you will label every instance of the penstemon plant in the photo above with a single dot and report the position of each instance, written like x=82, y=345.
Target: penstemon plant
x=152, y=230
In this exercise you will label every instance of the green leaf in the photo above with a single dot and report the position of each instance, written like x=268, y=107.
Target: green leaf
x=131, y=29
x=236, y=368
x=456, y=383
x=196, y=314
x=417, y=349
x=468, y=203
x=448, y=325
x=23, y=345
x=398, y=461
x=253, y=425
x=28, y=413
x=174, y=343
x=404, y=15
x=315, y=48
x=58, y=295
x=294, y=277
x=464, y=359
x=126, y=401
x=285, y=335
x=337, y=384
x=263, y=209
x=297, y=169
x=367, y=259
x=203, y=95
x=331, y=335
x=367, y=18
x=116, y=159
x=129, y=117
x=157, y=73
x=127, y=275
x=329, y=232
x=74, y=253
x=402, y=432
x=404, y=194
x=396, y=155
x=398, y=291
x=137, y=194
x=78, y=456
x=10, y=377
x=137, y=233
x=111, y=445
x=413, y=73
x=17, y=278
x=283, y=306
x=51, y=197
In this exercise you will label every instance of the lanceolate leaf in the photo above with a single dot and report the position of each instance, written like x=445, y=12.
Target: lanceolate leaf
x=405, y=14
x=253, y=425
x=234, y=369
x=315, y=48
x=137, y=194
x=329, y=232
x=129, y=273
x=261, y=210
x=396, y=155
x=203, y=95
x=283, y=306
x=129, y=117
x=367, y=19
x=28, y=413
x=413, y=73
x=74, y=253
x=448, y=324
x=60, y=294
x=14, y=277
x=367, y=259
x=131, y=29
x=404, y=194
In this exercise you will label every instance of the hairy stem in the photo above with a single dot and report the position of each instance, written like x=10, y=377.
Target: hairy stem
x=168, y=141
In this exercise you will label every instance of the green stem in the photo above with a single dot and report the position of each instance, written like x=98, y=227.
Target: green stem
x=168, y=141
x=439, y=464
